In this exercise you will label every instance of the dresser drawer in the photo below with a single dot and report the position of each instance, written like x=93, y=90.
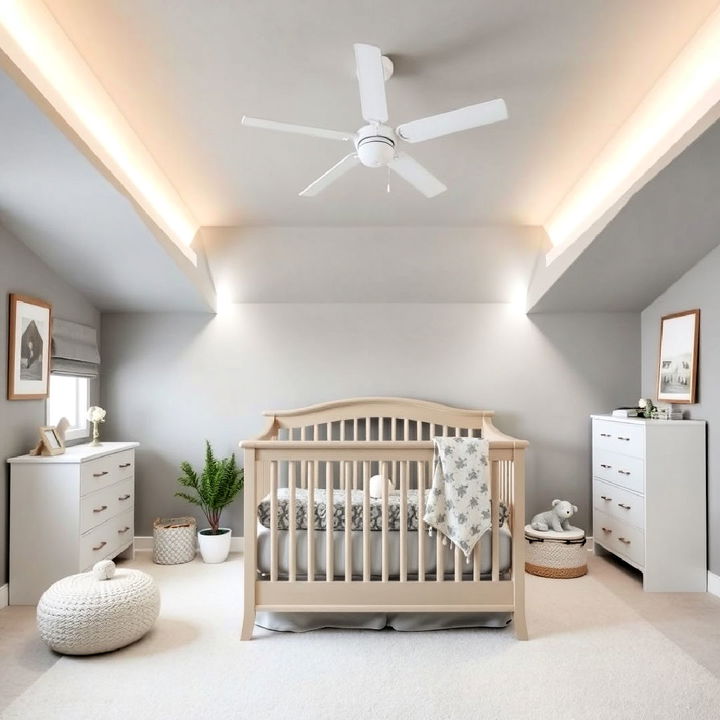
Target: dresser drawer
x=625, y=438
x=619, y=537
x=104, y=541
x=619, y=503
x=624, y=470
x=97, y=474
x=99, y=506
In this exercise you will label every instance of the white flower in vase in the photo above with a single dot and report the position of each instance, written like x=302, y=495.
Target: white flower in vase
x=95, y=415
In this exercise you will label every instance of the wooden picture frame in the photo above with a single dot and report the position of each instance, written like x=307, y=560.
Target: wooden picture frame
x=51, y=443
x=678, y=357
x=29, y=338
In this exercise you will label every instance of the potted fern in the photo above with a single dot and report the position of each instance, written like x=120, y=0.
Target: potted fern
x=215, y=488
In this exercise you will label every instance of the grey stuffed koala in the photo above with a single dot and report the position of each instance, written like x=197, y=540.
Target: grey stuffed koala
x=557, y=519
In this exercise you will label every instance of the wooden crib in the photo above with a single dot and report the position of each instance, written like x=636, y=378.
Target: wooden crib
x=333, y=449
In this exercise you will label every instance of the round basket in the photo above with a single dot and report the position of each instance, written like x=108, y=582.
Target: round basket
x=174, y=540
x=555, y=554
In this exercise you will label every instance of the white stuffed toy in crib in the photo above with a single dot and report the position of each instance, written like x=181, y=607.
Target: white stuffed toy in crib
x=376, y=486
x=557, y=519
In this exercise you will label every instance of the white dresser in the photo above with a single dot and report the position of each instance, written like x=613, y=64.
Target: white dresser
x=67, y=512
x=649, y=498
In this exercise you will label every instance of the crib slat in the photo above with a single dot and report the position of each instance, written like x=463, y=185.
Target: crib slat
x=303, y=475
x=292, y=515
x=313, y=474
x=385, y=548
x=366, y=521
x=476, y=560
x=458, y=561
x=329, y=521
x=494, y=511
x=368, y=427
x=345, y=478
x=393, y=428
x=316, y=435
x=406, y=429
x=444, y=430
x=404, y=474
x=273, y=522
x=421, y=521
x=355, y=429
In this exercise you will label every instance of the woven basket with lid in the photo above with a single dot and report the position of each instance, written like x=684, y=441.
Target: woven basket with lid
x=174, y=540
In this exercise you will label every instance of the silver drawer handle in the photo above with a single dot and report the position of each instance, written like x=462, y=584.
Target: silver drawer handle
x=624, y=438
x=605, y=435
x=100, y=546
x=124, y=465
x=125, y=497
x=624, y=472
x=124, y=530
x=100, y=474
x=625, y=507
x=607, y=467
x=606, y=499
x=605, y=530
x=100, y=509
x=623, y=540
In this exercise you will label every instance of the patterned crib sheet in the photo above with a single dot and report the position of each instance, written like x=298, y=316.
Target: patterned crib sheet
x=320, y=514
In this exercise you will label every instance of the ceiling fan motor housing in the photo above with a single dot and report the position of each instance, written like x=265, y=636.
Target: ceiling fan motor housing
x=375, y=145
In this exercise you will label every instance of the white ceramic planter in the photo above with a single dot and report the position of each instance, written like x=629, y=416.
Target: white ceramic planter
x=214, y=548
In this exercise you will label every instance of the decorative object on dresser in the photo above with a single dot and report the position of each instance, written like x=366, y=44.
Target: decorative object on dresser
x=67, y=512
x=649, y=498
x=677, y=363
x=98, y=611
x=215, y=488
x=28, y=348
x=96, y=415
x=174, y=540
x=52, y=441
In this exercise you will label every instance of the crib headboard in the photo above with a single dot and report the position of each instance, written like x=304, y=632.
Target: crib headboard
x=385, y=419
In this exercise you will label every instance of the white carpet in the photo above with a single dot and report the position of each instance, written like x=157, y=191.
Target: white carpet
x=590, y=656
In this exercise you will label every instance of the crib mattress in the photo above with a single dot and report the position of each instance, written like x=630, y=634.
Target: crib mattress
x=320, y=514
x=263, y=558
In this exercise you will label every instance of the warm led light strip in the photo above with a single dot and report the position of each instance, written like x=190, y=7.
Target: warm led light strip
x=681, y=99
x=35, y=43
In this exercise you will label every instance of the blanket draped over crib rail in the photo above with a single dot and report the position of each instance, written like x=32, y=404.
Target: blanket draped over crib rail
x=459, y=504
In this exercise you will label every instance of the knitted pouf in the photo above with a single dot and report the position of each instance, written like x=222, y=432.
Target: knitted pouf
x=98, y=611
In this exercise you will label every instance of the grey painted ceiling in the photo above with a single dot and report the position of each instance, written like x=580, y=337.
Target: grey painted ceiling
x=659, y=235
x=185, y=71
x=67, y=213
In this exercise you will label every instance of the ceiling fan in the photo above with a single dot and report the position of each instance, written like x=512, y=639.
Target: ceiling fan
x=376, y=144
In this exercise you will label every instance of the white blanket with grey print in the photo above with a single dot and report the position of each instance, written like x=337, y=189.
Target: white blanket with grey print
x=459, y=504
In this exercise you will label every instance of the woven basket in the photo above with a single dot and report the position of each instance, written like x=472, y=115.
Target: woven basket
x=174, y=540
x=555, y=555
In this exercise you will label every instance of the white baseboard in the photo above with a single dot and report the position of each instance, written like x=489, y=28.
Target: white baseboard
x=4, y=593
x=713, y=584
x=145, y=543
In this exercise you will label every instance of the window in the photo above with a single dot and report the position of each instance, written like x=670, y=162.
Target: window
x=69, y=397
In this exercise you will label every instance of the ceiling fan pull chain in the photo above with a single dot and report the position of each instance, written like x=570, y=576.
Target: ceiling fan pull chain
x=388, y=179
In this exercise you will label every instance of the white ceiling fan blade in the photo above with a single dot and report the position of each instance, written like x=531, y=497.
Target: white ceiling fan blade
x=371, y=79
x=335, y=172
x=420, y=178
x=454, y=121
x=299, y=129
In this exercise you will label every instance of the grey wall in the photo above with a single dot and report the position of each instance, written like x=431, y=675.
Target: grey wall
x=172, y=380
x=698, y=288
x=23, y=272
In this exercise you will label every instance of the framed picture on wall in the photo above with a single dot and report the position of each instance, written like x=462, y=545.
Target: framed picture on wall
x=678, y=360
x=28, y=348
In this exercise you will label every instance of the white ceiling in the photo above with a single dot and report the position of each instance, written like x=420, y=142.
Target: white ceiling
x=665, y=229
x=67, y=213
x=185, y=71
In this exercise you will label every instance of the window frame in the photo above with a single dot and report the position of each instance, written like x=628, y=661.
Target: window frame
x=79, y=432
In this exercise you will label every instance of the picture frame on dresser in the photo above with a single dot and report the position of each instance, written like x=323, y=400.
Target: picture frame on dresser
x=28, y=348
x=678, y=357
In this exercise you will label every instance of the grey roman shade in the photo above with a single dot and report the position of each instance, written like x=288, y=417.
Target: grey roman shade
x=74, y=349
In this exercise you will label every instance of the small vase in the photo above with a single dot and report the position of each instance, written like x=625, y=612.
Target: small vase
x=96, y=436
